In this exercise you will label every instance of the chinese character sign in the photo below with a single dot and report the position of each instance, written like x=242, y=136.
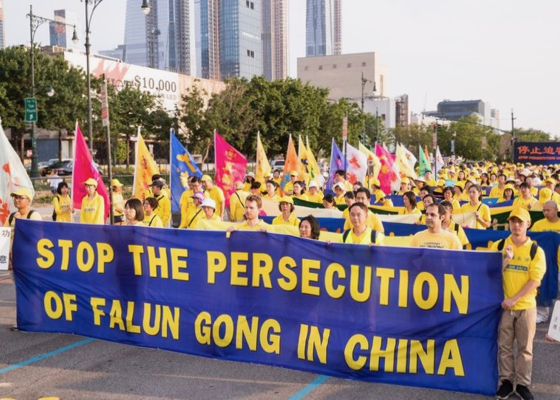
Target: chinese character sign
x=540, y=153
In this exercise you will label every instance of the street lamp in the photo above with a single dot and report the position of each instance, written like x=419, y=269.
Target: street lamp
x=35, y=22
x=364, y=82
x=145, y=9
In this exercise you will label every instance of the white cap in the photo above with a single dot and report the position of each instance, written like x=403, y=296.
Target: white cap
x=209, y=203
x=313, y=184
x=338, y=184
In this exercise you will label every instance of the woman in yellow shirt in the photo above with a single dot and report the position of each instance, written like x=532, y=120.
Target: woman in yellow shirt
x=299, y=191
x=134, y=212
x=93, y=205
x=287, y=217
x=481, y=211
x=150, y=218
x=409, y=200
x=509, y=193
x=328, y=201
x=118, y=202
x=448, y=196
x=526, y=199
x=209, y=209
x=271, y=194
x=62, y=204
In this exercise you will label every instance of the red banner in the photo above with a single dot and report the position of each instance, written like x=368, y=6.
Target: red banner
x=231, y=166
x=386, y=173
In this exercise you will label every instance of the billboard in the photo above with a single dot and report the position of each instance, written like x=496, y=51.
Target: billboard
x=540, y=153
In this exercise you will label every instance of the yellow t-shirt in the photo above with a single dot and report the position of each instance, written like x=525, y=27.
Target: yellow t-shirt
x=191, y=218
x=34, y=216
x=163, y=209
x=364, y=238
x=93, y=211
x=217, y=195
x=118, y=201
x=415, y=210
x=458, y=230
x=244, y=226
x=497, y=192
x=289, y=188
x=292, y=220
x=61, y=205
x=527, y=204
x=339, y=199
x=153, y=221
x=301, y=197
x=315, y=198
x=378, y=194
x=237, y=206
x=372, y=222
x=442, y=240
x=520, y=270
x=482, y=209
x=545, y=225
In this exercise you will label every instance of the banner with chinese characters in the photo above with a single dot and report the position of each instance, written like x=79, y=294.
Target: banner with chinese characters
x=541, y=153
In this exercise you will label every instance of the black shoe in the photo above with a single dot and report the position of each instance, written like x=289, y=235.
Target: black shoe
x=524, y=392
x=505, y=390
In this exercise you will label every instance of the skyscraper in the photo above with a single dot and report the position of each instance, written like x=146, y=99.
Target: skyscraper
x=231, y=42
x=160, y=39
x=275, y=39
x=323, y=28
x=60, y=34
x=2, y=33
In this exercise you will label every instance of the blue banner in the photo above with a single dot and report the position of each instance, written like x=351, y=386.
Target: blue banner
x=406, y=316
x=540, y=153
x=182, y=166
x=338, y=161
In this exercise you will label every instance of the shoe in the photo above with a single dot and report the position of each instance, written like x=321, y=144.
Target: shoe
x=540, y=320
x=505, y=390
x=524, y=392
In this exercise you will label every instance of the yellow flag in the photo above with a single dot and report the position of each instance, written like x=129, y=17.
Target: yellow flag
x=314, y=170
x=303, y=156
x=263, y=167
x=372, y=160
x=402, y=162
x=144, y=169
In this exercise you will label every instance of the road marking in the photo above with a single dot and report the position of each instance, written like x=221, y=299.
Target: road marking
x=309, y=388
x=44, y=356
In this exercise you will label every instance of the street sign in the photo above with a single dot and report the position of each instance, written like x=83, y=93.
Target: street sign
x=30, y=109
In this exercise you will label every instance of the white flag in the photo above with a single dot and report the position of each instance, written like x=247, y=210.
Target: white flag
x=409, y=157
x=356, y=168
x=439, y=161
x=12, y=177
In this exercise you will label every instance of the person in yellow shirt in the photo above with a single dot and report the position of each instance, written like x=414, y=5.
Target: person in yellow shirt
x=93, y=205
x=195, y=213
x=328, y=202
x=427, y=200
x=249, y=179
x=314, y=194
x=237, y=203
x=286, y=207
x=498, y=191
x=289, y=187
x=164, y=205
x=429, y=180
x=62, y=204
x=545, y=194
x=277, y=177
x=525, y=200
x=339, y=192
x=299, y=191
x=340, y=176
x=215, y=193
x=22, y=200
x=410, y=207
x=360, y=232
x=435, y=237
x=134, y=212
x=349, y=199
x=532, y=189
x=523, y=266
x=272, y=191
x=481, y=211
x=186, y=201
x=253, y=207
x=378, y=194
x=508, y=194
x=448, y=196
x=309, y=228
x=209, y=210
x=447, y=223
x=405, y=186
x=363, y=196
x=118, y=202
x=150, y=217
x=550, y=183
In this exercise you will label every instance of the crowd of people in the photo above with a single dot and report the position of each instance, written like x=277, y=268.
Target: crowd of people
x=457, y=190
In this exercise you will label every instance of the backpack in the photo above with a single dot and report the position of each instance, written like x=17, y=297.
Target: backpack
x=347, y=232
x=532, y=252
x=12, y=215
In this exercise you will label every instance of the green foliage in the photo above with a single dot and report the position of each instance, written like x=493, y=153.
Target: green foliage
x=532, y=135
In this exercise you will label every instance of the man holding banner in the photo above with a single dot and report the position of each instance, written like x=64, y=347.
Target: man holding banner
x=524, y=265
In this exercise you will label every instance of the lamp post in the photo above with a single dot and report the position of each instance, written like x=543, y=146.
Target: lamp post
x=35, y=22
x=145, y=7
x=364, y=82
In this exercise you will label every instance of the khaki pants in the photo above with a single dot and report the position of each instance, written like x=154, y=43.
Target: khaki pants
x=521, y=326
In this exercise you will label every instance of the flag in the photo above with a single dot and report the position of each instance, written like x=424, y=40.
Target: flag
x=409, y=157
x=13, y=176
x=182, y=167
x=373, y=160
x=145, y=167
x=439, y=161
x=424, y=164
x=263, y=167
x=314, y=170
x=338, y=161
x=402, y=160
x=357, y=164
x=84, y=169
x=386, y=174
x=303, y=157
x=231, y=166
x=291, y=163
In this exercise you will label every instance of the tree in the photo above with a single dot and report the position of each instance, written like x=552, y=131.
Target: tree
x=531, y=135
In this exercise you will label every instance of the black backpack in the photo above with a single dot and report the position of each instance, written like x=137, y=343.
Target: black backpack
x=11, y=217
x=532, y=252
x=347, y=232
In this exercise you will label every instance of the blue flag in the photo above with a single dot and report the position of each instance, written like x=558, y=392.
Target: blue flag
x=338, y=161
x=182, y=166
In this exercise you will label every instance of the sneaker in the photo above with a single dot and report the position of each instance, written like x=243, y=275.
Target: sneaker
x=505, y=390
x=524, y=392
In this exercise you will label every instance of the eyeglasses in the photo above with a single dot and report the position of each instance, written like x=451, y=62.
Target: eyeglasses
x=21, y=198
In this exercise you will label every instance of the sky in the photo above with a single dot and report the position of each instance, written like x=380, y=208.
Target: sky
x=504, y=52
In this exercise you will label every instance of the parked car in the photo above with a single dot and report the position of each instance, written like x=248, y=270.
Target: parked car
x=67, y=169
x=277, y=164
x=40, y=165
x=48, y=170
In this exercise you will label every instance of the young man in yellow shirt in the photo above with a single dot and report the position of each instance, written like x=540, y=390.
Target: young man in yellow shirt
x=360, y=232
x=253, y=206
x=526, y=199
x=215, y=193
x=435, y=237
x=523, y=265
x=164, y=204
x=363, y=196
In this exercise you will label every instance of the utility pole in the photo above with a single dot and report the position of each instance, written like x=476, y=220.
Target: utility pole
x=512, y=137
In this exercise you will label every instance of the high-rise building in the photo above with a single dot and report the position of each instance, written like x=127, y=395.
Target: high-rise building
x=231, y=38
x=2, y=31
x=160, y=39
x=61, y=34
x=275, y=39
x=323, y=28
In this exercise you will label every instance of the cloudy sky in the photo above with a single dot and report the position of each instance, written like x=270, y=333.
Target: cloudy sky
x=505, y=52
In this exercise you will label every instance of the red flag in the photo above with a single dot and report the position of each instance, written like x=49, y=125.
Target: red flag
x=83, y=170
x=386, y=173
x=230, y=166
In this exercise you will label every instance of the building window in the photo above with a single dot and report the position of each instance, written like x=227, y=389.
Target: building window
x=306, y=69
x=349, y=65
x=320, y=67
x=364, y=64
x=247, y=3
x=252, y=5
x=250, y=53
x=334, y=66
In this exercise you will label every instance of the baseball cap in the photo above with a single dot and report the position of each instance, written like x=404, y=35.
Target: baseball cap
x=116, y=182
x=375, y=182
x=206, y=178
x=91, y=182
x=22, y=192
x=294, y=173
x=545, y=194
x=251, y=174
x=313, y=184
x=157, y=183
x=520, y=213
x=209, y=203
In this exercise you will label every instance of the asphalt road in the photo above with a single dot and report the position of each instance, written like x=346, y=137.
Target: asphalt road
x=35, y=365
